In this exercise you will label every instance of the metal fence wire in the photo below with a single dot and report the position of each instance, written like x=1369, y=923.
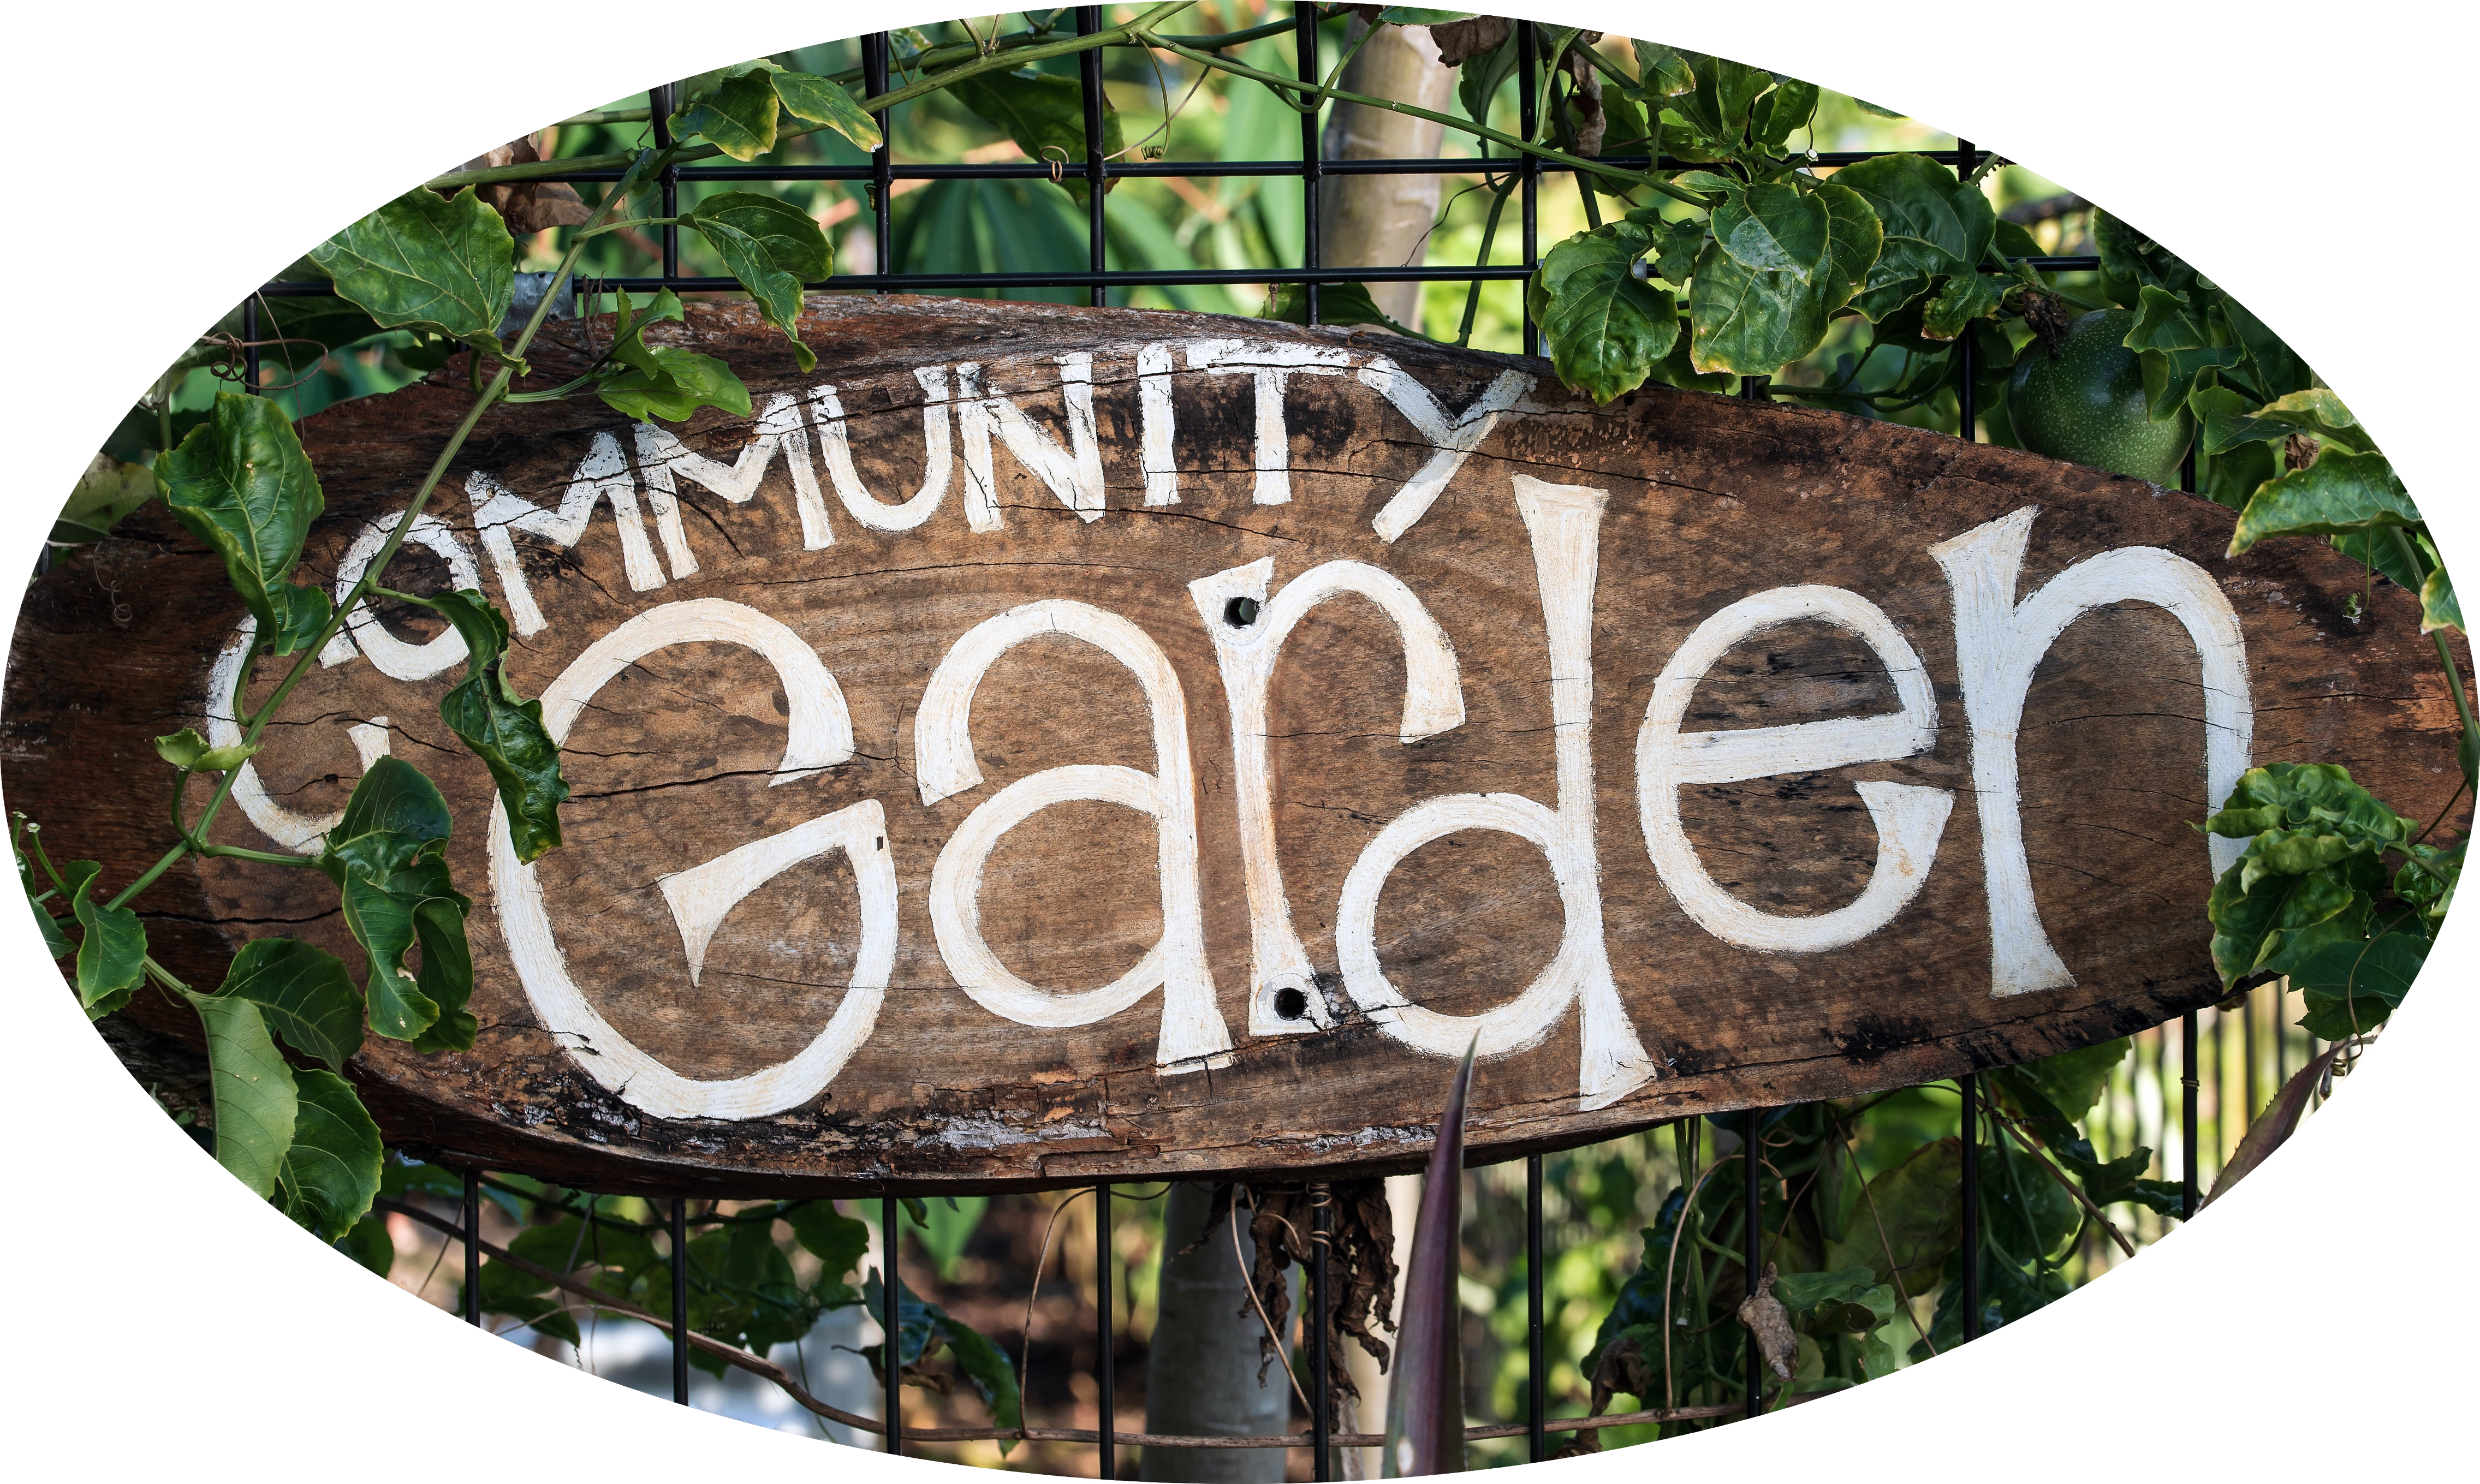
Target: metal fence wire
x=2219, y=1085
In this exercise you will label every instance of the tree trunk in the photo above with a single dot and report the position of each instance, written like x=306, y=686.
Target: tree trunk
x=1404, y=1200
x=1382, y=220
x=1201, y=1374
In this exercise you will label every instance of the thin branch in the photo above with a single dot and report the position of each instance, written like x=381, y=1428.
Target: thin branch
x=1893, y=1270
x=2026, y=1138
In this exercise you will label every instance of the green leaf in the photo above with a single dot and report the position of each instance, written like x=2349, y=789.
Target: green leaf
x=2351, y=988
x=1934, y=225
x=1480, y=78
x=2427, y=880
x=2028, y=1213
x=822, y=100
x=2074, y=1080
x=1661, y=72
x=1724, y=94
x=300, y=613
x=2315, y=412
x=2340, y=493
x=111, y=959
x=1773, y=228
x=256, y=1106
x=989, y=1370
x=438, y=266
x=2165, y=321
x=1748, y=322
x=735, y=116
x=242, y=485
x=1854, y=239
x=501, y=728
x=393, y=796
x=387, y=854
x=304, y=994
x=446, y=977
x=836, y=1240
x=786, y=235
x=185, y=749
x=369, y=1244
x=2438, y=606
x=2014, y=241
x=55, y=941
x=665, y=381
x=1960, y=300
x=1672, y=245
x=2237, y=473
x=2273, y=368
x=1919, y=1205
x=1783, y=113
x=1801, y=1292
x=529, y=1301
x=2135, y=259
x=1679, y=369
x=778, y=292
x=105, y=495
x=2172, y=376
x=1338, y=303
x=331, y=1169
x=1044, y=114
x=1604, y=328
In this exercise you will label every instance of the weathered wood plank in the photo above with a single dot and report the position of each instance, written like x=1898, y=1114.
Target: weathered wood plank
x=1610, y=537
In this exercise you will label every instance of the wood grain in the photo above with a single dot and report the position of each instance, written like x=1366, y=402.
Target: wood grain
x=675, y=760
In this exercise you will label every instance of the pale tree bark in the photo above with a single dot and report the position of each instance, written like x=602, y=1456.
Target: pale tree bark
x=1202, y=1373
x=1381, y=220
x=1404, y=1200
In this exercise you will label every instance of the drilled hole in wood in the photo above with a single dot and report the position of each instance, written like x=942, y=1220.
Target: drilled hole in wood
x=1240, y=613
x=1289, y=1003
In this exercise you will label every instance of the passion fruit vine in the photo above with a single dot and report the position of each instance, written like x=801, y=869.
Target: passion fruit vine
x=2083, y=402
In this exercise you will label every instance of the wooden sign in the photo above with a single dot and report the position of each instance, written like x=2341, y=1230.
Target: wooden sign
x=1044, y=745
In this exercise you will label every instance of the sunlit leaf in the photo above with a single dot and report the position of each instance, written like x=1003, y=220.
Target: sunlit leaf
x=1604, y=328
x=256, y=1107
x=777, y=290
x=2341, y=492
x=242, y=485
x=1934, y=225
x=443, y=268
x=2438, y=605
x=111, y=957
x=1773, y=228
x=823, y=100
x=737, y=114
x=105, y=495
x=665, y=381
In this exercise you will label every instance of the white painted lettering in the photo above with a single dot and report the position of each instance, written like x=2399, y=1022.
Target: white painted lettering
x=1432, y=702
x=1999, y=641
x=1273, y=365
x=1074, y=473
x=818, y=735
x=1909, y=819
x=938, y=463
x=1193, y=1034
x=1565, y=523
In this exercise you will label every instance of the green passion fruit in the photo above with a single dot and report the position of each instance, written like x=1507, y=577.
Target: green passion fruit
x=2084, y=402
